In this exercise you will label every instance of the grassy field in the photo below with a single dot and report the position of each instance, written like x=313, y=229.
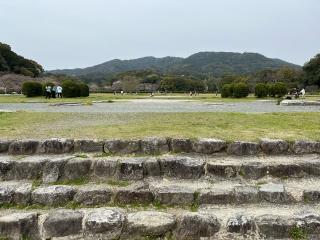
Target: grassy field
x=228, y=126
x=119, y=97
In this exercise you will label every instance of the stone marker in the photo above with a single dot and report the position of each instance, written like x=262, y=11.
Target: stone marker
x=208, y=145
x=118, y=146
x=57, y=146
x=131, y=169
x=154, y=146
x=243, y=148
x=274, y=146
x=179, y=145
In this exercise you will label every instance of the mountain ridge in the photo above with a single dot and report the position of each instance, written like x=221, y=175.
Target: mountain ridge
x=214, y=63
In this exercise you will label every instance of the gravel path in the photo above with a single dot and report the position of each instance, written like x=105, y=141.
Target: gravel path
x=160, y=106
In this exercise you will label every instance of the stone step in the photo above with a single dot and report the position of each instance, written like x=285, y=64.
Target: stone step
x=244, y=222
x=151, y=146
x=160, y=192
x=53, y=168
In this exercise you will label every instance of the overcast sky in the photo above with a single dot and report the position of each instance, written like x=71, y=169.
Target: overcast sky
x=81, y=33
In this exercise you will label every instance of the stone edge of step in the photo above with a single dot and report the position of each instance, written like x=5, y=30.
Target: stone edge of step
x=158, y=145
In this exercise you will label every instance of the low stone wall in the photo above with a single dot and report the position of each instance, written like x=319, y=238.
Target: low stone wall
x=116, y=223
x=156, y=146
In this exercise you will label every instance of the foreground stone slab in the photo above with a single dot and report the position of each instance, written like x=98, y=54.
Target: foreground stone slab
x=57, y=146
x=104, y=224
x=61, y=223
x=274, y=146
x=53, y=195
x=151, y=167
x=243, y=148
x=133, y=195
x=17, y=226
x=149, y=223
x=53, y=169
x=216, y=196
x=93, y=195
x=22, y=194
x=208, y=145
x=274, y=193
x=23, y=147
x=105, y=168
x=30, y=168
x=118, y=146
x=196, y=226
x=6, y=194
x=174, y=195
x=154, y=146
x=182, y=167
x=76, y=168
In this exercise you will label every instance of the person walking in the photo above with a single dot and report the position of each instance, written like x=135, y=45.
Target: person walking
x=54, y=92
x=48, y=92
x=59, y=91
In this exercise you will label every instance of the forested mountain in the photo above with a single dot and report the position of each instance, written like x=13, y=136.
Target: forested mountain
x=13, y=63
x=207, y=63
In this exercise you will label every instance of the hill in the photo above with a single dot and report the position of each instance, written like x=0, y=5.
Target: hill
x=206, y=63
x=10, y=62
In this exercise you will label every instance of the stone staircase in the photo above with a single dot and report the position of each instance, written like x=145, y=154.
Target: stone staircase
x=159, y=188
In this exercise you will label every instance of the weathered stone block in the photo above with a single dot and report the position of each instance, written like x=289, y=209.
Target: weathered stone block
x=286, y=170
x=26, y=169
x=174, y=195
x=311, y=196
x=179, y=145
x=133, y=196
x=118, y=146
x=76, y=168
x=23, y=147
x=57, y=146
x=274, y=146
x=246, y=194
x=149, y=223
x=6, y=194
x=4, y=146
x=196, y=226
x=17, y=226
x=274, y=193
x=216, y=196
x=253, y=170
x=305, y=147
x=105, y=168
x=222, y=170
x=53, y=169
x=154, y=146
x=104, y=224
x=22, y=195
x=208, y=145
x=151, y=167
x=5, y=167
x=88, y=146
x=182, y=167
x=93, y=195
x=62, y=223
x=243, y=148
x=131, y=169
x=274, y=227
x=240, y=224
x=53, y=195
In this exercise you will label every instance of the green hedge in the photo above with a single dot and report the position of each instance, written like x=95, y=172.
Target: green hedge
x=73, y=89
x=237, y=90
x=261, y=90
x=32, y=89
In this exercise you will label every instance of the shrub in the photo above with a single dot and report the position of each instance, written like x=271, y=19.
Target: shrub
x=261, y=90
x=226, y=91
x=84, y=90
x=240, y=90
x=271, y=91
x=74, y=89
x=280, y=89
x=32, y=89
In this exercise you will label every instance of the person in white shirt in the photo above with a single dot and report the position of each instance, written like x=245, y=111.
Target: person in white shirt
x=303, y=92
x=59, y=91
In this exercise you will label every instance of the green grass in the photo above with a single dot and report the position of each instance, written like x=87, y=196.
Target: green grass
x=109, y=98
x=297, y=233
x=228, y=126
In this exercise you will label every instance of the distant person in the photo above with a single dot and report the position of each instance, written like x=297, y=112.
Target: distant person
x=59, y=91
x=48, y=91
x=121, y=92
x=54, y=92
x=303, y=92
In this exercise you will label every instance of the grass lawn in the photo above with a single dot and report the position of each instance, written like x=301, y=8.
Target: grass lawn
x=228, y=126
x=118, y=97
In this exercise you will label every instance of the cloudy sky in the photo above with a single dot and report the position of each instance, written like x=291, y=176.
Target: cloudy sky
x=80, y=33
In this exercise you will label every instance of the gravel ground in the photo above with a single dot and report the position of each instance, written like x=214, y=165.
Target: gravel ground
x=160, y=106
